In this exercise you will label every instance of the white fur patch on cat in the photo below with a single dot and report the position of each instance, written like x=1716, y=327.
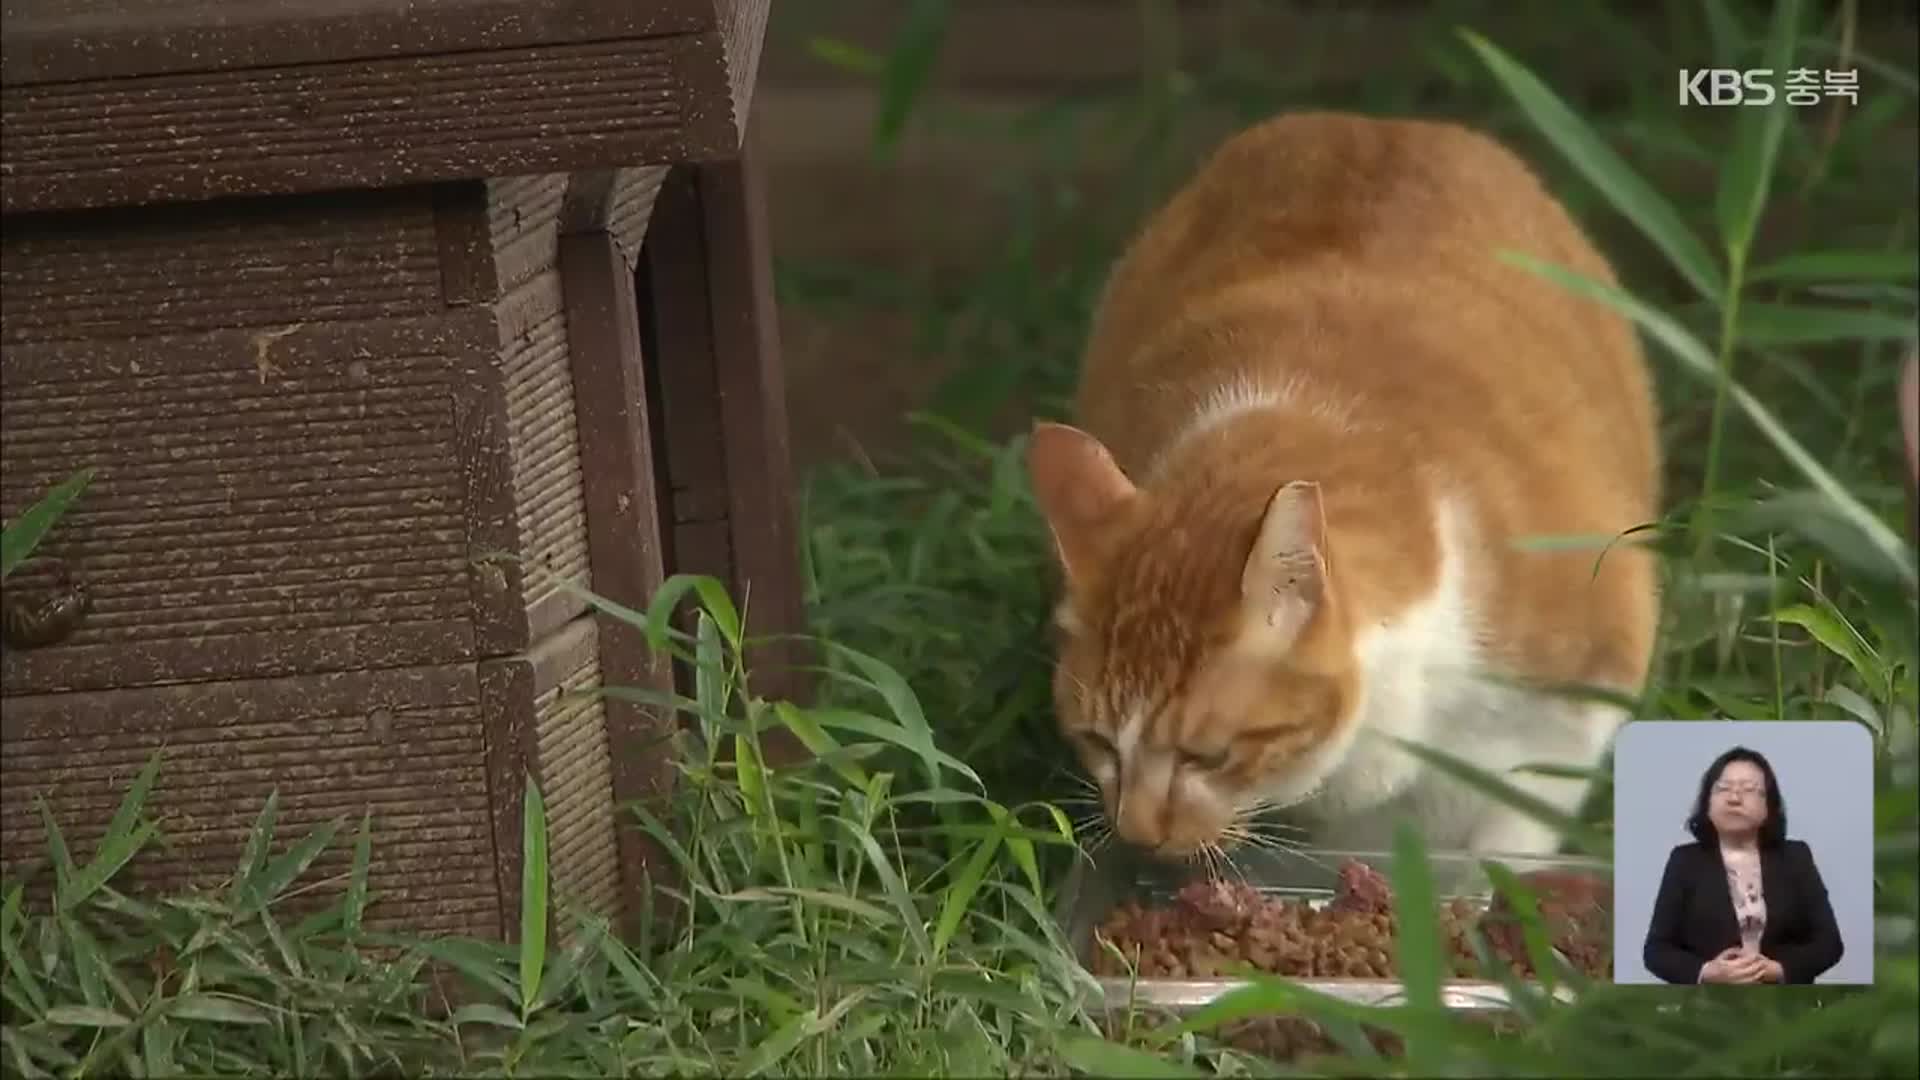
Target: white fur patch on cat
x=1245, y=394
x=1424, y=682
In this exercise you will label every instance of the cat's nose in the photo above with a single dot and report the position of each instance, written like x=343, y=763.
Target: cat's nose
x=1167, y=853
x=1140, y=825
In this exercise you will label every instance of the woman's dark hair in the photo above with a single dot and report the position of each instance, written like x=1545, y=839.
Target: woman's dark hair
x=1773, y=831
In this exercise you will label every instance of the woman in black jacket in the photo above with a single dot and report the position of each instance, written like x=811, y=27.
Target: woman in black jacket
x=1742, y=903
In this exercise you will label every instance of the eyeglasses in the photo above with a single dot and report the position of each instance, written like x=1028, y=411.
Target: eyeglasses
x=1744, y=789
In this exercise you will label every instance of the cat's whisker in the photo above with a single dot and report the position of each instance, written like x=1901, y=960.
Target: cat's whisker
x=1251, y=815
x=1269, y=835
x=1240, y=835
x=1093, y=831
x=1083, y=791
x=1073, y=775
x=1246, y=823
x=1260, y=843
x=1279, y=827
x=1251, y=812
x=1228, y=864
x=1211, y=854
x=1227, y=860
x=1301, y=852
x=1273, y=841
x=1278, y=845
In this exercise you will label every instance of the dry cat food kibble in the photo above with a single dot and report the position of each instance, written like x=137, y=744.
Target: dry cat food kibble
x=1217, y=928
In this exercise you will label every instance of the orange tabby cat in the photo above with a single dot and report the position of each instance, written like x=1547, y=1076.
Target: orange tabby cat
x=1321, y=421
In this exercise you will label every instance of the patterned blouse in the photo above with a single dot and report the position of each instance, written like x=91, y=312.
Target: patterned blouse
x=1749, y=902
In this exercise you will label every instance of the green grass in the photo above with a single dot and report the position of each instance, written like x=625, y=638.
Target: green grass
x=884, y=908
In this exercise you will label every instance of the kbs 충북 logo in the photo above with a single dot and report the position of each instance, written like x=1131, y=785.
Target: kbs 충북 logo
x=1757, y=86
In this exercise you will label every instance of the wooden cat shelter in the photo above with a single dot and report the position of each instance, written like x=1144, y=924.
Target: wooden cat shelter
x=336, y=296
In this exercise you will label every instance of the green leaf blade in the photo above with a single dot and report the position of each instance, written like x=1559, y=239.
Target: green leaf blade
x=1700, y=362
x=1749, y=169
x=216, y=1009
x=533, y=896
x=85, y=1016
x=1803, y=267
x=23, y=534
x=1623, y=188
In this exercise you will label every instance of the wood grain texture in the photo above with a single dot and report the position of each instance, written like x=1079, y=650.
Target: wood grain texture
x=269, y=502
x=257, y=262
x=523, y=224
x=311, y=407
x=574, y=760
x=614, y=429
x=717, y=393
x=624, y=527
x=463, y=230
x=752, y=404
x=498, y=583
x=527, y=215
x=676, y=305
x=368, y=123
x=406, y=745
x=53, y=41
x=520, y=707
x=617, y=201
x=630, y=208
x=543, y=446
x=689, y=455
x=744, y=29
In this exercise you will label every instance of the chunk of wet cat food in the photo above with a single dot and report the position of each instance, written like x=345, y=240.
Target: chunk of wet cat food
x=1218, y=905
x=1362, y=889
x=1576, y=911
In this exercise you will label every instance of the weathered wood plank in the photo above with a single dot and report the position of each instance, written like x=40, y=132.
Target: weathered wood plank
x=408, y=745
x=751, y=382
x=269, y=502
x=705, y=273
x=56, y=41
x=628, y=557
x=365, y=123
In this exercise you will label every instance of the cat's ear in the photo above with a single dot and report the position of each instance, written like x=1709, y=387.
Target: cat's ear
x=1285, y=580
x=1080, y=489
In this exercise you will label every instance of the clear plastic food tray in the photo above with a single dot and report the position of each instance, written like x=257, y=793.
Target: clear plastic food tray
x=1093, y=889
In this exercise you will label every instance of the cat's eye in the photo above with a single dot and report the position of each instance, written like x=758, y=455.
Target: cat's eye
x=1098, y=743
x=1205, y=762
